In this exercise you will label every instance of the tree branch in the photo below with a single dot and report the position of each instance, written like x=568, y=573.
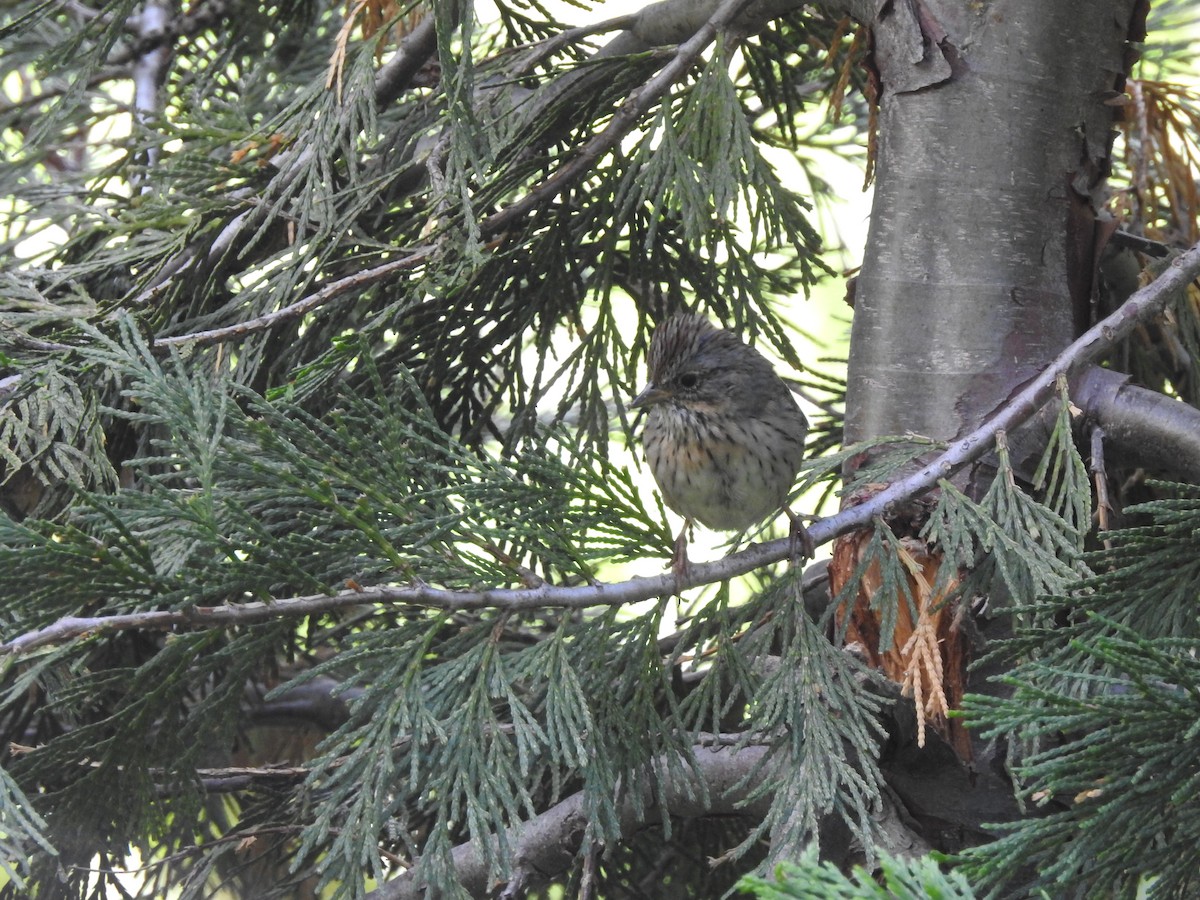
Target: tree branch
x=390, y=79
x=623, y=121
x=395, y=75
x=304, y=305
x=149, y=70
x=1143, y=426
x=1102, y=337
x=662, y=22
x=549, y=842
x=415, y=49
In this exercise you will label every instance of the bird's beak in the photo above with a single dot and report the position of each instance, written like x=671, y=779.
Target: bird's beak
x=649, y=396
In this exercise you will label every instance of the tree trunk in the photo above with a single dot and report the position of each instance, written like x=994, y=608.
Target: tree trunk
x=992, y=150
x=993, y=143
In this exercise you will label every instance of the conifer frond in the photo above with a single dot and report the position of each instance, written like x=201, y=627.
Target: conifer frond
x=51, y=432
x=1061, y=473
x=894, y=878
x=268, y=342
x=1146, y=579
x=1110, y=759
x=422, y=680
x=823, y=731
x=1032, y=549
x=23, y=832
x=892, y=455
x=880, y=565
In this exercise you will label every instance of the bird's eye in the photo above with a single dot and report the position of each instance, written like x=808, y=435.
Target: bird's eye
x=689, y=380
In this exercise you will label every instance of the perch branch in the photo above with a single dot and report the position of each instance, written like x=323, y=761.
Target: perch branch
x=1141, y=307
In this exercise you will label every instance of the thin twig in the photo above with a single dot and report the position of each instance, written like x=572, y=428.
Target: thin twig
x=553, y=44
x=623, y=121
x=305, y=305
x=591, y=866
x=149, y=72
x=249, y=836
x=1100, y=476
x=1141, y=307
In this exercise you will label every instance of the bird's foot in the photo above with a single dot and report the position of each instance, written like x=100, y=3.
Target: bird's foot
x=680, y=567
x=801, y=542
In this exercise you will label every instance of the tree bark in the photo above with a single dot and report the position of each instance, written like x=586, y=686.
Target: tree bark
x=992, y=149
x=993, y=140
x=1142, y=427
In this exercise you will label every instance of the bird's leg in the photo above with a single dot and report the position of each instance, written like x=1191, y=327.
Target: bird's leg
x=802, y=547
x=679, y=562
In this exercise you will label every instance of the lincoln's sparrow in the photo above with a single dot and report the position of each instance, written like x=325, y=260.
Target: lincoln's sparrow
x=724, y=434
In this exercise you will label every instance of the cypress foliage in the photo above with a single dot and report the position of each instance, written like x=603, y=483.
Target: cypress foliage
x=1108, y=705
x=309, y=383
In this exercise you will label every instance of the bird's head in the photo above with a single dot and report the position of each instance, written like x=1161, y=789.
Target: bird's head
x=694, y=364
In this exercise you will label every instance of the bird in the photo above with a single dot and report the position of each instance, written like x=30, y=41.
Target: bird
x=724, y=436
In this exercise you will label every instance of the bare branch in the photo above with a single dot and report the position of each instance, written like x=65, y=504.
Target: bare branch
x=241, y=778
x=623, y=121
x=396, y=74
x=307, y=304
x=1141, y=307
x=1104, y=506
x=150, y=70
x=1143, y=426
x=548, y=843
